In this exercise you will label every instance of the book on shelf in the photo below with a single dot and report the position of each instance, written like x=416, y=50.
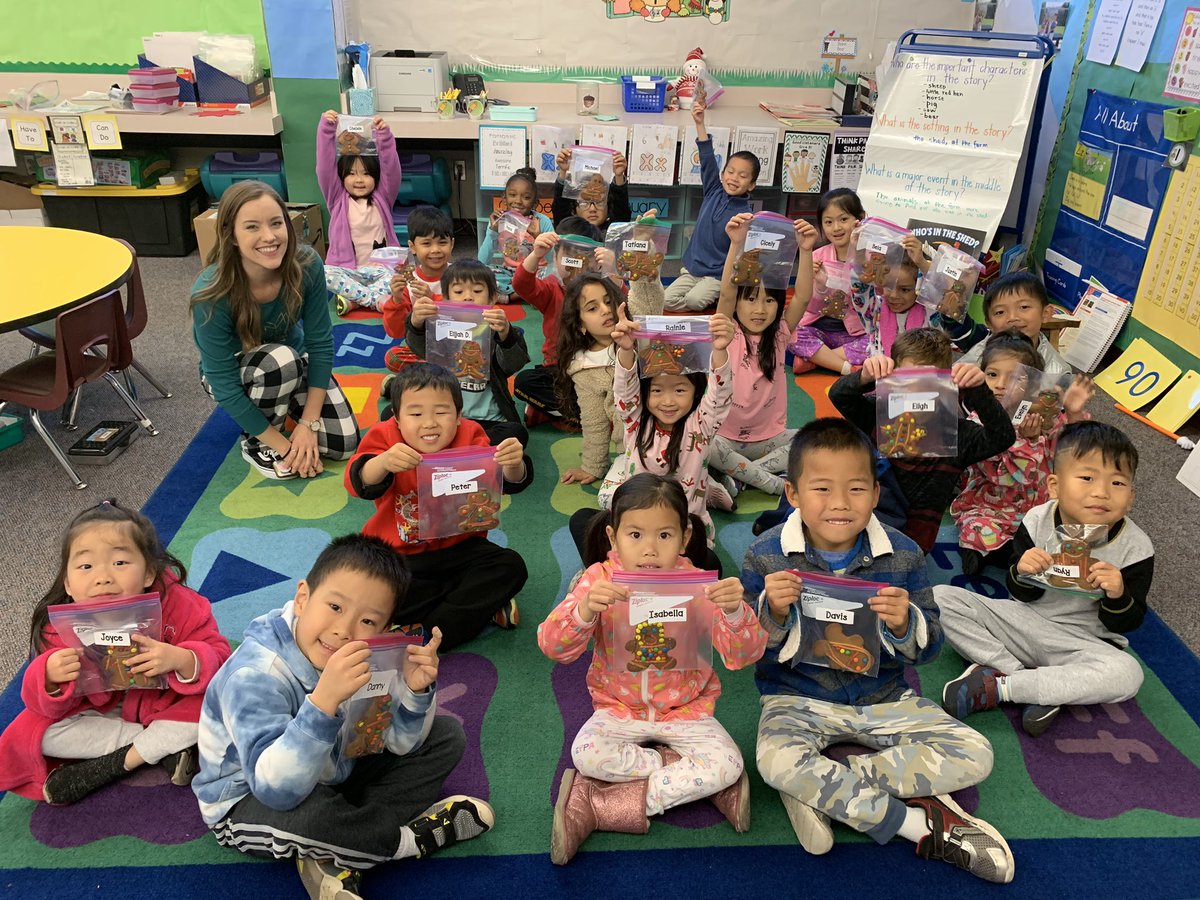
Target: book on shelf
x=797, y=116
x=1101, y=314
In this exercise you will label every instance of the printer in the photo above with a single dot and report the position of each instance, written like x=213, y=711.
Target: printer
x=410, y=80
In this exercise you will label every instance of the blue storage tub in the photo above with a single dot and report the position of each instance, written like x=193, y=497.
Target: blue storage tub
x=423, y=180
x=643, y=94
x=222, y=170
x=400, y=217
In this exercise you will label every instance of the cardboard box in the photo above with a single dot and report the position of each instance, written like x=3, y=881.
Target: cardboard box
x=15, y=196
x=306, y=222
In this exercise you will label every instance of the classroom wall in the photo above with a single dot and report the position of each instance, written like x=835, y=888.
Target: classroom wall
x=108, y=33
x=775, y=43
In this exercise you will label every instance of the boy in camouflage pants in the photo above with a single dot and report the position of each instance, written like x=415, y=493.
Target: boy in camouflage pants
x=917, y=752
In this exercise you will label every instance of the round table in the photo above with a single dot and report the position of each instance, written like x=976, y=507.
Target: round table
x=48, y=270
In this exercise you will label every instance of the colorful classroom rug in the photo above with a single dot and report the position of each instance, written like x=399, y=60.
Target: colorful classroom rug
x=1107, y=804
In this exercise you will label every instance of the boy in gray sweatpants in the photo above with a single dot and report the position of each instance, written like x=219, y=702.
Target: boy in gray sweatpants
x=1059, y=640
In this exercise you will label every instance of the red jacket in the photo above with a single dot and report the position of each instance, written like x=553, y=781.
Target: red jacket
x=187, y=622
x=395, y=311
x=546, y=294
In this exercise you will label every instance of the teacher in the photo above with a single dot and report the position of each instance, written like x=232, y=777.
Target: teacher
x=260, y=318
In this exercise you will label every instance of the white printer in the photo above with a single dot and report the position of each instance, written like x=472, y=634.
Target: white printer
x=410, y=82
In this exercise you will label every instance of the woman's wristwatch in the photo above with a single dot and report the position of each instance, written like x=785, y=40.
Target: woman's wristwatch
x=314, y=424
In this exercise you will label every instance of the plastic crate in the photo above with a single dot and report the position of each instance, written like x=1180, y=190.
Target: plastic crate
x=643, y=94
x=222, y=170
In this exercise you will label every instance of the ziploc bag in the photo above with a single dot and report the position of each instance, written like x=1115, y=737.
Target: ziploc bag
x=769, y=254
x=916, y=413
x=458, y=492
x=394, y=258
x=575, y=255
x=673, y=352
x=676, y=324
x=589, y=174
x=639, y=248
x=512, y=234
x=461, y=341
x=1034, y=391
x=838, y=630
x=355, y=137
x=369, y=712
x=667, y=623
x=104, y=631
x=1071, y=551
x=833, y=285
x=878, y=253
x=950, y=282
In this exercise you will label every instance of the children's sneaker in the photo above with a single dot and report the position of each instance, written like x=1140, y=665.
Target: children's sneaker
x=266, y=462
x=973, y=691
x=72, y=782
x=508, y=616
x=969, y=843
x=457, y=818
x=811, y=825
x=182, y=766
x=341, y=305
x=329, y=881
x=1036, y=719
x=733, y=803
x=972, y=561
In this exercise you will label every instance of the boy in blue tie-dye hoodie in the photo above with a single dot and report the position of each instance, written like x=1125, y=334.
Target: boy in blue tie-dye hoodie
x=274, y=780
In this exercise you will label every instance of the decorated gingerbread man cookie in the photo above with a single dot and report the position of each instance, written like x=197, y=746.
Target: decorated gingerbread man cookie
x=470, y=364
x=350, y=143
x=748, y=269
x=370, y=728
x=479, y=513
x=661, y=358
x=844, y=651
x=635, y=265
x=901, y=436
x=651, y=648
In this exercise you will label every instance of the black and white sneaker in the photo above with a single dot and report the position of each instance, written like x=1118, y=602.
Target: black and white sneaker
x=457, y=818
x=181, y=767
x=329, y=881
x=266, y=461
x=967, y=842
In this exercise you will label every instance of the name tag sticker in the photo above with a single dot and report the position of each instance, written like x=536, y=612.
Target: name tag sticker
x=1022, y=411
x=925, y=402
x=827, y=609
x=759, y=240
x=450, y=483
x=450, y=330
x=645, y=607
x=633, y=246
x=380, y=685
x=112, y=639
x=571, y=262
x=1064, y=571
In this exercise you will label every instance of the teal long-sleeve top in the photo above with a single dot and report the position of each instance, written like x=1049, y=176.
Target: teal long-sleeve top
x=219, y=344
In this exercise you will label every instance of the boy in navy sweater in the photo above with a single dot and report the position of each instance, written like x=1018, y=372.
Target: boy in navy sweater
x=918, y=753
x=726, y=193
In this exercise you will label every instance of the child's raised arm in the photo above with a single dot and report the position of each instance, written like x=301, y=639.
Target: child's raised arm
x=623, y=338
x=806, y=239
x=389, y=161
x=327, y=177
x=698, y=107
x=737, y=228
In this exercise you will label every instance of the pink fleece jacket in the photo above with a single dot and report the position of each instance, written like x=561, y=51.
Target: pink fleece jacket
x=341, y=246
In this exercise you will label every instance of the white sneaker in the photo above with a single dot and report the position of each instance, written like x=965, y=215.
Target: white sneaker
x=266, y=462
x=811, y=826
x=328, y=880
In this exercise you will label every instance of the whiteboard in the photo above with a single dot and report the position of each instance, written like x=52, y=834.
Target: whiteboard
x=760, y=38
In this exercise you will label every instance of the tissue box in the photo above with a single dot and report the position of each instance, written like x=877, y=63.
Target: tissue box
x=361, y=101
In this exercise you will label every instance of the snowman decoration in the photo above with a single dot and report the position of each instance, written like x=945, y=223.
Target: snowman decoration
x=685, y=87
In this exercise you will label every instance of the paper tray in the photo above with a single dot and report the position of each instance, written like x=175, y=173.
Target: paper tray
x=514, y=113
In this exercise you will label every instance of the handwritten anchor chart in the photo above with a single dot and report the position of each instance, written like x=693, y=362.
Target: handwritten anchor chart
x=948, y=136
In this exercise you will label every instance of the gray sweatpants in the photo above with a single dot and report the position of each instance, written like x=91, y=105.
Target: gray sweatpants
x=920, y=751
x=1047, y=663
x=760, y=464
x=92, y=734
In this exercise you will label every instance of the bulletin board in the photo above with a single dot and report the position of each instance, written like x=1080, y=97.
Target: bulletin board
x=750, y=43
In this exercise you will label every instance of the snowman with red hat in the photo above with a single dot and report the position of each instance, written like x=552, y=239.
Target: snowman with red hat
x=685, y=87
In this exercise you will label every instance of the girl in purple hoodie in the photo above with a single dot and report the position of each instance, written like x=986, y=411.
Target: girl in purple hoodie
x=360, y=192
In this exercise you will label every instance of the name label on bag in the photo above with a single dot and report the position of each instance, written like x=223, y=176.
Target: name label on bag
x=111, y=639
x=925, y=402
x=952, y=269
x=633, y=246
x=571, y=262
x=813, y=606
x=380, y=685
x=646, y=607
x=590, y=166
x=1022, y=411
x=450, y=330
x=450, y=483
x=757, y=240
x=1064, y=571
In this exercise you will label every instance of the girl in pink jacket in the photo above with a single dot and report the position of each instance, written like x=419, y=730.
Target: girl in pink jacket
x=360, y=192
x=110, y=552
x=619, y=780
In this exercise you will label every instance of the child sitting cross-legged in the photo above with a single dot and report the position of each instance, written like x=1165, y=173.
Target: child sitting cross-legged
x=1054, y=647
x=274, y=780
x=459, y=583
x=918, y=753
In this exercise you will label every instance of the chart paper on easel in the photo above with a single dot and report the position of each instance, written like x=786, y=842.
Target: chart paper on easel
x=1168, y=297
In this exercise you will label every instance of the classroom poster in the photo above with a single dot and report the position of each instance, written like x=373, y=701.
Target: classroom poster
x=1168, y=297
x=544, y=143
x=72, y=165
x=948, y=134
x=1183, y=76
x=846, y=159
x=652, y=154
x=1111, y=200
x=968, y=240
x=763, y=143
x=802, y=168
x=501, y=152
x=689, y=155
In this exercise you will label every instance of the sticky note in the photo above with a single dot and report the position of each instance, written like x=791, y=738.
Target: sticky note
x=1180, y=403
x=29, y=134
x=1139, y=376
x=102, y=132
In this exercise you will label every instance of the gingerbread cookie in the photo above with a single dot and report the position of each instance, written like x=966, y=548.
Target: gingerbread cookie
x=844, y=651
x=470, y=364
x=117, y=675
x=509, y=244
x=1072, y=562
x=594, y=190
x=636, y=265
x=370, y=728
x=479, y=513
x=834, y=305
x=747, y=271
x=901, y=437
x=661, y=358
x=953, y=301
x=651, y=648
x=350, y=143
x=1047, y=406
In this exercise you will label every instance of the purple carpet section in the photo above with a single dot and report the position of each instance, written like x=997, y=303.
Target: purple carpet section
x=466, y=683
x=1101, y=761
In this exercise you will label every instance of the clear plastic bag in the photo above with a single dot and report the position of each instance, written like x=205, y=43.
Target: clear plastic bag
x=461, y=341
x=1071, y=550
x=1031, y=391
x=712, y=88
x=878, y=253
x=639, y=248
x=368, y=713
x=575, y=255
x=832, y=284
x=589, y=174
x=512, y=237
x=394, y=258
x=458, y=492
x=673, y=352
x=838, y=630
x=666, y=625
x=916, y=413
x=104, y=632
x=355, y=136
x=950, y=282
x=769, y=254
x=674, y=324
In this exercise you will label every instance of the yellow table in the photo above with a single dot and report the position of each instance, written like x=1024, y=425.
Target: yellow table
x=44, y=271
